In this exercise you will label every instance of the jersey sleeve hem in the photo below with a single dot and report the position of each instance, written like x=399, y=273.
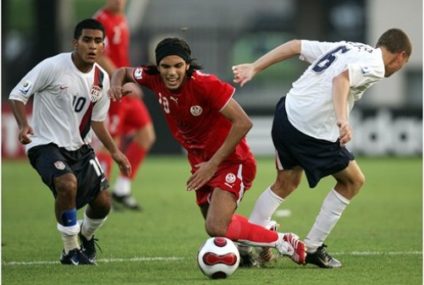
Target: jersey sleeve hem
x=14, y=96
x=229, y=99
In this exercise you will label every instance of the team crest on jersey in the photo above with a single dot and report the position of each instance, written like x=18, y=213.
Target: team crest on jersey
x=95, y=93
x=365, y=70
x=196, y=110
x=138, y=73
x=24, y=88
x=230, y=178
x=59, y=165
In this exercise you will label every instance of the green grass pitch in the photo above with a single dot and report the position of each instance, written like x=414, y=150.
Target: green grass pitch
x=378, y=239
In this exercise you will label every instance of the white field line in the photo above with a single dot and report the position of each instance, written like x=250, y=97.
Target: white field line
x=370, y=253
x=176, y=258
x=101, y=260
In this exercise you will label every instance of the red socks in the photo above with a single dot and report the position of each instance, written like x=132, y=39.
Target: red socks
x=135, y=154
x=240, y=229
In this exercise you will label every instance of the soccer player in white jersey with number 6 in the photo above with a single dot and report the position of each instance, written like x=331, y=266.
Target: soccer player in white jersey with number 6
x=70, y=98
x=311, y=124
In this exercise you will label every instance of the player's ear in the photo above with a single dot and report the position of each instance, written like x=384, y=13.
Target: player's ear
x=75, y=43
x=405, y=56
x=102, y=46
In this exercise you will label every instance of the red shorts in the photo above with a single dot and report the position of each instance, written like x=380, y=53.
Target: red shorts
x=127, y=115
x=235, y=178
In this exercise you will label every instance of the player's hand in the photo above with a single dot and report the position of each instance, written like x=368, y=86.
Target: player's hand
x=243, y=73
x=25, y=134
x=201, y=176
x=132, y=89
x=122, y=161
x=345, y=132
x=115, y=93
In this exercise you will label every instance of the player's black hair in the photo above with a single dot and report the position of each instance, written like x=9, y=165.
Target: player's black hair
x=175, y=46
x=395, y=40
x=88, y=24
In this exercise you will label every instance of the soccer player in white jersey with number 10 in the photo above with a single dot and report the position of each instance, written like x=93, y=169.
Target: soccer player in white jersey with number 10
x=70, y=98
x=311, y=124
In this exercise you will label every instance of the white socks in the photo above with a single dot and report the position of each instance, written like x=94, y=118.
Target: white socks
x=69, y=236
x=89, y=226
x=122, y=186
x=331, y=211
x=265, y=206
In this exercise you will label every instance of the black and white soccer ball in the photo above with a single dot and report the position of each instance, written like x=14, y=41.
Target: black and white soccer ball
x=218, y=258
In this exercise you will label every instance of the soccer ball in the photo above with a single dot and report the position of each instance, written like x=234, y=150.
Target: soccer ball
x=218, y=258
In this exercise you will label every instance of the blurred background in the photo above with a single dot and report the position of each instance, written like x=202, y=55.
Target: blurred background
x=387, y=121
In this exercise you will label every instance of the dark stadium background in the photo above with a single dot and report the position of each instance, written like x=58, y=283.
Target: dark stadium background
x=223, y=33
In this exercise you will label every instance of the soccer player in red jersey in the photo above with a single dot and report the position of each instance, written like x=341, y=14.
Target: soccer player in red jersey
x=211, y=126
x=129, y=117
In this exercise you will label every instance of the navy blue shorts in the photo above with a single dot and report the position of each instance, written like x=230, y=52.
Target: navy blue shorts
x=51, y=161
x=318, y=158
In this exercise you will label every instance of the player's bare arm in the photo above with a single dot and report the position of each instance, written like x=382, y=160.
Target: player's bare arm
x=104, y=136
x=241, y=124
x=25, y=130
x=119, y=77
x=340, y=95
x=245, y=72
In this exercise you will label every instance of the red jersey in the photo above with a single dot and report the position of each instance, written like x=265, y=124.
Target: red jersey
x=193, y=113
x=117, y=39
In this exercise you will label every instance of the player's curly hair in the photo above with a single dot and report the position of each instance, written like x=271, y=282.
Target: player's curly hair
x=395, y=40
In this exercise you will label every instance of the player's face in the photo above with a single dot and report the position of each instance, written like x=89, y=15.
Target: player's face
x=89, y=46
x=396, y=64
x=173, y=70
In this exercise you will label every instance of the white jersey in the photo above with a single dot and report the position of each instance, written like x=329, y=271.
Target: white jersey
x=66, y=100
x=309, y=103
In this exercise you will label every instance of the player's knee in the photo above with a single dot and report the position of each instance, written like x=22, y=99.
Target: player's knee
x=358, y=182
x=352, y=185
x=214, y=229
x=66, y=184
x=150, y=140
x=145, y=138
